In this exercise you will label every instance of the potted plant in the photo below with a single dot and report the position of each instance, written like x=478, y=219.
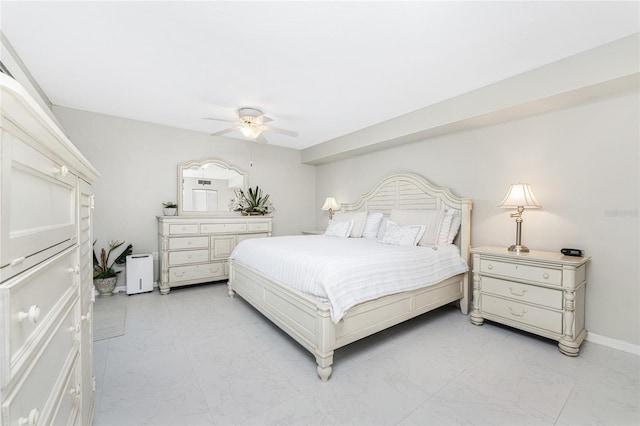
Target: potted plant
x=170, y=208
x=252, y=202
x=104, y=276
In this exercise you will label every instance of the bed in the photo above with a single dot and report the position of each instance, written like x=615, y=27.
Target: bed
x=313, y=321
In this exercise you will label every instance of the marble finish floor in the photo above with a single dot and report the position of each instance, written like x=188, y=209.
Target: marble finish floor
x=198, y=357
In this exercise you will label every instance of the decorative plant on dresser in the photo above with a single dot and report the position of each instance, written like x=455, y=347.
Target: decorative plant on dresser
x=195, y=245
x=104, y=276
x=251, y=202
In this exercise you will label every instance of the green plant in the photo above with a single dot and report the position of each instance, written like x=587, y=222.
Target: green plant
x=252, y=201
x=170, y=205
x=102, y=268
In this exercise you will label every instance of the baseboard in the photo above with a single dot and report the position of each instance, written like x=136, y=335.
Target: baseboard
x=620, y=345
x=123, y=288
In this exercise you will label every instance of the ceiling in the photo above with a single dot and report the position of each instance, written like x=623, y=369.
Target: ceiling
x=323, y=69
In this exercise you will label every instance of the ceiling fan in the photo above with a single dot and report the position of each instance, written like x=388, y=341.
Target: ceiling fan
x=251, y=123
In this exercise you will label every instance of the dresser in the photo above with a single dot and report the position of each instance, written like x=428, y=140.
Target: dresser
x=196, y=250
x=46, y=269
x=539, y=292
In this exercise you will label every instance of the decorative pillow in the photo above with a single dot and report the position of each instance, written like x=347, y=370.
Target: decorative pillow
x=455, y=227
x=407, y=235
x=383, y=228
x=358, y=218
x=338, y=229
x=372, y=225
x=443, y=235
x=431, y=219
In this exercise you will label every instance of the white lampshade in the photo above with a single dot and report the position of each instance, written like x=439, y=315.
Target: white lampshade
x=250, y=131
x=330, y=204
x=520, y=195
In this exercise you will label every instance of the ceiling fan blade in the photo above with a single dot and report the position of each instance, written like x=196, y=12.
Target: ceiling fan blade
x=282, y=131
x=220, y=119
x=261, y=139
x=222, y=132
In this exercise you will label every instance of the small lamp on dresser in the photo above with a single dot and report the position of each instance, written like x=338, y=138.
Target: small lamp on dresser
x=330, y=204
x=520, y=196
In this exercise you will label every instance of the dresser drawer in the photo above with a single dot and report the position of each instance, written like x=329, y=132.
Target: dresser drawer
x=188, y=256
x=521, y=313
x=211, y=228
x=257, y=226
x=177, y=229
x=177, y=243
x=30, y=233
x=523, y=292
x=211, y=272
x=30, y=304
x=521, y=272
x=69, y=405
x=35, y=392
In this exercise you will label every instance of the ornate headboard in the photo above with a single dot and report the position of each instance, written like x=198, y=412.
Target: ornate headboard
x=413, y=192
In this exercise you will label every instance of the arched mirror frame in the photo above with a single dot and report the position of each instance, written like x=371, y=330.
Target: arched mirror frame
x=195, y=164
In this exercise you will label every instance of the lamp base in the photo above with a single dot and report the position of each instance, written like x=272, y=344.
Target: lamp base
x=518, y=249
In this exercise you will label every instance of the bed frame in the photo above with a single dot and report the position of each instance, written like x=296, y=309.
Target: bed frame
x=308, y=320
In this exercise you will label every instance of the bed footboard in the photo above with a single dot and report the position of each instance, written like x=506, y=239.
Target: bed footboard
x=308, y=320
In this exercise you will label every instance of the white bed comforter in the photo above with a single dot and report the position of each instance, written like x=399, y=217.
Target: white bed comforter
x=347, y=271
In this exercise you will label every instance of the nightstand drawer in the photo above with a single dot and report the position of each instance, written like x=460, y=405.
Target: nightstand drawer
x=523, y=292
x=521, y=272
x=524, y=314
x=188, y=256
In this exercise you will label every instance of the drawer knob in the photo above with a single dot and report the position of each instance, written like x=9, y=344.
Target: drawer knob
x=86, y=316
x=490, y=267
x=75, y=393
x=62, y=170
x=32, y=419
x=545, y=276
x=74, y=270
x=33, y=314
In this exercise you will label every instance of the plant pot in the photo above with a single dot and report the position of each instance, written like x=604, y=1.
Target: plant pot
x=252, y=214
x=170, y=211
x=105, y=286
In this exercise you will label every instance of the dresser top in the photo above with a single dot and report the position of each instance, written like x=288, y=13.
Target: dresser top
x=532, y=255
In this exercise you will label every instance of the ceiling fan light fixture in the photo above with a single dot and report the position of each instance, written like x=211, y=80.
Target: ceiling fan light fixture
x=250, y=131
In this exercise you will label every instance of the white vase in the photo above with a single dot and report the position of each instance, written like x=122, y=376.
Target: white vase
x=170, y=211
x=105, y=286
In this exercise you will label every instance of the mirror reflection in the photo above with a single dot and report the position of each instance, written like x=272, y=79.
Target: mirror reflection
x=205, y=187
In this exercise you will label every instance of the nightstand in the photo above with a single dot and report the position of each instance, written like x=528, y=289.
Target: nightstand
x=314, y=232
x=539, y=292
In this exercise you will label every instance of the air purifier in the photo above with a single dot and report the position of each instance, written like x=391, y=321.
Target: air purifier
x=139, y=270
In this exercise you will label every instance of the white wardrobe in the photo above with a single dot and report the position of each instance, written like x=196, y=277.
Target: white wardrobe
x=46, y=269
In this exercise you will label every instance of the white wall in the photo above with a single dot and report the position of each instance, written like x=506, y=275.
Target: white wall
x=138, y=163
x=582, y=163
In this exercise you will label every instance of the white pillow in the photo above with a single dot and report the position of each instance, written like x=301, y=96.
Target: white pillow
x=372, y=225
x=383, y=228
x=443, y=235
x=358, y=218
x=407, y=235
x=338, y=229
x=431, y=219
x=455, y=227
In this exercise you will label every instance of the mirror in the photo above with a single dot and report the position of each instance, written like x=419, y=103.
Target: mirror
x=205, y=187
